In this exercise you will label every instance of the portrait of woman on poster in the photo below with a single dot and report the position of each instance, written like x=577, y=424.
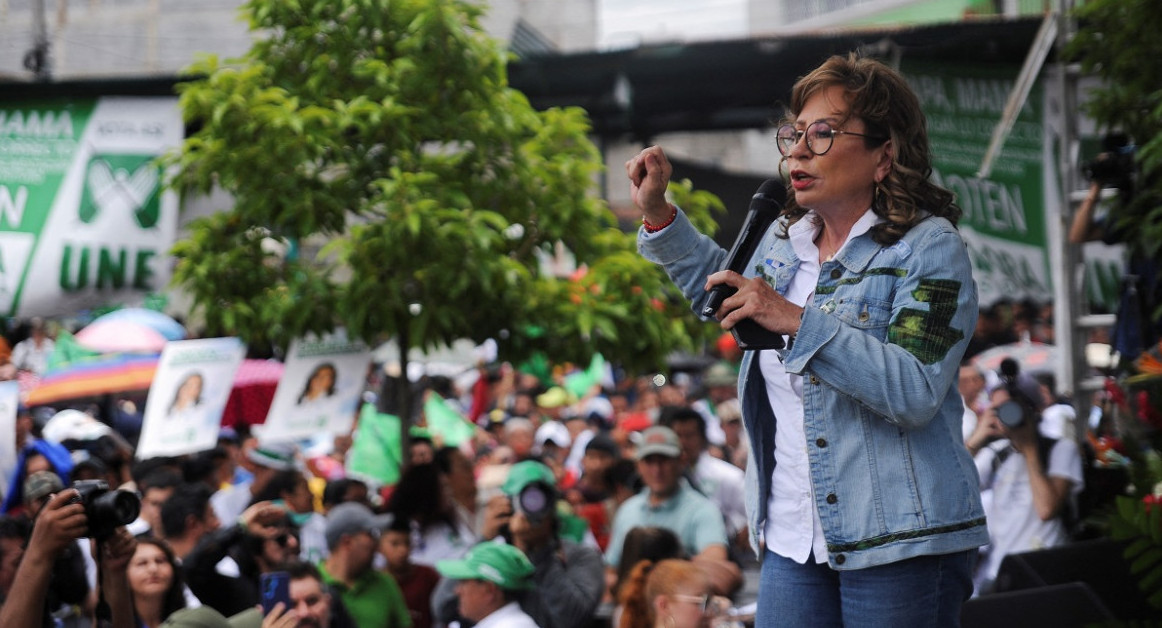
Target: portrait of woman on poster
x=187, y=401
x=320, y=384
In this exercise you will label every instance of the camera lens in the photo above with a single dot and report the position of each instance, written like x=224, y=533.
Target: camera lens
x=533, y=500
x=1011, y=414
x=123, y=507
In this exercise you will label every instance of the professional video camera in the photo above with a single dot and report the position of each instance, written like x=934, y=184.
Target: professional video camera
x=106, y=509
x=1114, y=166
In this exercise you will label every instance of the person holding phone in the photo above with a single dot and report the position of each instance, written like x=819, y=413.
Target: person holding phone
x=861, y=497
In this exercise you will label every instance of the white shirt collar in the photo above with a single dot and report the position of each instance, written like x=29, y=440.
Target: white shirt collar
x=803, y=233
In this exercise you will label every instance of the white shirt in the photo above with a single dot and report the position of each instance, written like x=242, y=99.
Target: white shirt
x=440, y=542
x=793, y=528
x=1013, y=523
x=228, y=503
x=29, y=357
x=508, y=616
x=724, y=484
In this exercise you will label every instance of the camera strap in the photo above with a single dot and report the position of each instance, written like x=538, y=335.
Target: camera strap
x=103, y=613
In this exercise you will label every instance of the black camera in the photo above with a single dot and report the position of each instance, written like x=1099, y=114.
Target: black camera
x=1114, y=166
x=106, y=509
x=1020, y=405
x=534, y=501
x=1011, y=414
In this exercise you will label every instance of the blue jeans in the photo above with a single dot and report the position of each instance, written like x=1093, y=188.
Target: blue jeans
x=917, y=592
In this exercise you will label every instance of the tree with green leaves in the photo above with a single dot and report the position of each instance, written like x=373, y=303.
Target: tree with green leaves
x=1115, y=41
x=1118, y=41
x=408, y=192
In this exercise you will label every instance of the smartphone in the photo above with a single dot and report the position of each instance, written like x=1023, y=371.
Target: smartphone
x=275, y=588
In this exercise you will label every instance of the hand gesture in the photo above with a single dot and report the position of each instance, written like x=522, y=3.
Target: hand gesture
x=649, y=174
x=280, y=617
x=264, y=519
x=60, y=522
x=988, y=428
x=116, y=551
x=497, y=513
x=757, y=300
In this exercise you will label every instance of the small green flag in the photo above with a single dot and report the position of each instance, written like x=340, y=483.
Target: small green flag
x=446, y=423
x=580, y=382
x=376, y=450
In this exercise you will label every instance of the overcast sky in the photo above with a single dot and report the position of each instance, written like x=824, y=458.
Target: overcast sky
x=629, y=22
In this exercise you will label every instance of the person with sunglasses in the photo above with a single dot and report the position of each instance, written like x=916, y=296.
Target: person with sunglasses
x=862, y=501
x=225, y=567
x=672, y=593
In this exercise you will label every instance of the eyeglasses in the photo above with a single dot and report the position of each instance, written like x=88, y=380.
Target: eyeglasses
x=819, y=134
x=696, y=600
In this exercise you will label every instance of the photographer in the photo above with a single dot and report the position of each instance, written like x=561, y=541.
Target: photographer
x=569, y=578
x=69, y=588
x=1136, y=327
x=1032, y=478
x=61, y=521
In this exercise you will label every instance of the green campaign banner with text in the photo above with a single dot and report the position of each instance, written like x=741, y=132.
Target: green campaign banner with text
x=1004, y=214
x=84, y=217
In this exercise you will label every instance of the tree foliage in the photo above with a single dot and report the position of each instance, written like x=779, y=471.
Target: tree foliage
x=1116, y=41
x=416, y=192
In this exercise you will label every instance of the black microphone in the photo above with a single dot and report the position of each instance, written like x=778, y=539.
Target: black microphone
x=763, y=211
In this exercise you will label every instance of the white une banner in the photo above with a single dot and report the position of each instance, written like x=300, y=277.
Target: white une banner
x=84, y=217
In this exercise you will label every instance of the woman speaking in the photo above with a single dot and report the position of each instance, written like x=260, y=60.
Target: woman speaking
x=861, y=497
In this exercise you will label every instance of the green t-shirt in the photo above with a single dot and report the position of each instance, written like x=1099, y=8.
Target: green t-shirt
x=374, y=601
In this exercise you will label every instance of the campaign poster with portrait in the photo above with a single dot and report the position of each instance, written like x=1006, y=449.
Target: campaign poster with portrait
x=184, y=410
x=320, y=389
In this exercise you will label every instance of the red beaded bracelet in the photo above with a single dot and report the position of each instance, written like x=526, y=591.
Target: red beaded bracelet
x=656, y=228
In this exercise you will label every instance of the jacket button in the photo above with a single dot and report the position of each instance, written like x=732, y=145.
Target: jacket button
x=821, y=442
x=840, y=559
x=836, y=273
x=814, y=380
x=831, y=498
x=863, y=316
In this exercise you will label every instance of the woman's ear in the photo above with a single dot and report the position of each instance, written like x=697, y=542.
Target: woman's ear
x=661, y=606
x=884, y=165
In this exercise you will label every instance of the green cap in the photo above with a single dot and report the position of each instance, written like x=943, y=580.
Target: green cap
x=524, y=473
x=199, y=617
x=503, y=565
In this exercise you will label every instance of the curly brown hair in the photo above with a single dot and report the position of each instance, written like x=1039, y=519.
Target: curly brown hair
x=889, y=108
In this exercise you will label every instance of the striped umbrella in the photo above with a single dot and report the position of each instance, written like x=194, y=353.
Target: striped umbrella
x=94, y=377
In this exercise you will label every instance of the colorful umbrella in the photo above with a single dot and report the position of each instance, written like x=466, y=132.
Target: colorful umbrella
x=120, y=336
x=89, y=378
x=162, y=324
x=1033, y=357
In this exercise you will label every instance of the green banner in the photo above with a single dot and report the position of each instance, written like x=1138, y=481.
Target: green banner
x=84, y=217
x=1004, y=214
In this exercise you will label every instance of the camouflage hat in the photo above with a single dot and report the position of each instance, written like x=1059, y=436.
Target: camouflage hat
x=41, y=484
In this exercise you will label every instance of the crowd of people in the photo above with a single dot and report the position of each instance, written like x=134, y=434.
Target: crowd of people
x=855, y=468
x=576, y=510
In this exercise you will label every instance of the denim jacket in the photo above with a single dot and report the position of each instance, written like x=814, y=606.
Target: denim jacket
x=879, y=350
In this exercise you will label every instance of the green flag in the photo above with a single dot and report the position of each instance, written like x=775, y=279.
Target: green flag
x=580, y=382
x=66, y=350
x=376, y=451
x=446, y=423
